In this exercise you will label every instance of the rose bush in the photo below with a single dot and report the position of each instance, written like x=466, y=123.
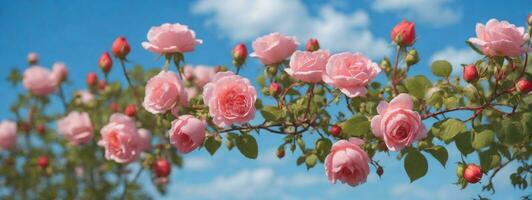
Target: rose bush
x=164, y=113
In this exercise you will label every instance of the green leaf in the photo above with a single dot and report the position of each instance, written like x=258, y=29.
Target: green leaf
x=451, y=128
x=440, y=153
x=489, y=159
x=323, y=147
x=416, y=165
x=247, y=145
x=482, y=139
x=511, y=131
x=526, y=121
x=271, y=113
x=463, y=143
x=357, y=126
x=417, y=86
x=261, y=80
x=311, y=160
x=300, y=160
x=441, y=68
x=212, y=144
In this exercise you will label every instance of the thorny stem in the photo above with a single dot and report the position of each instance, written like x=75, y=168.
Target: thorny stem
x=396, y=65
x=137, y=97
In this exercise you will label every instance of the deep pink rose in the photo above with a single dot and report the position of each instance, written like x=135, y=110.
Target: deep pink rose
x=76, y=127
x=231, y=99
x=273, y=48
x=187, y=133
x=8, y=134
x=351, y=73
x=397, y=123
x=308, y=66
x=500, y=38
x=171, y=38
x=39, y=81
x=120, y=139
x=347, y=162
x=59, y=72
x=164, y=92
x=145, y=139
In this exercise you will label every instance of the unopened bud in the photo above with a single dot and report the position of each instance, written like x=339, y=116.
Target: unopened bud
x=274, y=89
x=105, y=62
x=280, y=153
x=240, y=53
x=312, y=45
x=33, y=58
x=120, y=47
x=412, y=57
x=524, y=86
x=470, y=73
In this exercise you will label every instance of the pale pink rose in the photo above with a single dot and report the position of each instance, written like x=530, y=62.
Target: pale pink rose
x=8, y=135
x=120, y=139
x=308, y=66
x=76, y=127
x=187, y=133
x=39, y=81
x=145, y=139
x=85, y=96
x=203, y=75
x=171, y=38
x=230, y=98
x=164, y=92
x=351, y=73
x=191, y=92
x=500, y=38
x=273, y=48
x=397, y=123
x=59, y=72
x=188, y=72
x=347, y=162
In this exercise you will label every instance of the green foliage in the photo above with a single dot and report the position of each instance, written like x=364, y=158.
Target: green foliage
x=416, y=165
x=441, y=68
x=247, y=145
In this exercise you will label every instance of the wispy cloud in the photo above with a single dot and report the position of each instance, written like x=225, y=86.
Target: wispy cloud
x=437, y=13
x=456, y=57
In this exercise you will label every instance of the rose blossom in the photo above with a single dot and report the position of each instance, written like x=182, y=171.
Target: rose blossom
x=171, y=38
x=120, y=139
x=145, y=139
x=191, y=92
x=230, y=98
x=500, y=38
x=187, y=133
x=39, y=81
x=59, y=72
x=76, y=127
x=308, y=66
x=347, y=162
x=85, y=96
x=164, y=92
x=8, y=134
x=351, y=73
x=203, y=75
x=273, y=48
x=397, y=123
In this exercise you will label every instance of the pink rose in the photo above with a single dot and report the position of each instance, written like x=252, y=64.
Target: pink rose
x=191, y=92
x=39, y=81
x=347, y=162
x=500, y=38
x=397, y=123
x=164, y=92
x=187, y=133
x=59, y=72
x=145, y=139
x=273, y=48
x=188, y=72
x=351, y=73
x=203, y=75
x=171, y=38
x=8, y=134
x=231, y=99
x=308, y=66
x=120, y=139
x=76, y=127
x=85, y=96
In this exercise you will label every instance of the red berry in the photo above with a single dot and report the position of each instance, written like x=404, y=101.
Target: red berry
x=105, y=62
x=120, y=47
x=472, y=173
x=404, y=33
x=380, y=171
x=130, y=110
x=470, y=73
x=43, y=162
x=114, y=107
x=92, y=78
x=161, y=168
x=312, y=45
x=523, y=86
x=40, y=129
x=102, y=84
x=240, y=53
x=336, y=130
x=275, y=88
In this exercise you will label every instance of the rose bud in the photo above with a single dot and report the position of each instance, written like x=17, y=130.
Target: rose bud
x=130, y=110
x=92, y=79
x=412, y=57
x=114, y=107
x=43, y=162
x=274, y=89
x=472, y=173
x=380, y=171
x=524, y=86
x=102, y=84
x=120, y=47
x=336, y=130
x=40, y=129
x=470, y=73
x=312, y=45
x=161, y=168
x=404, y=33
x=33, y=58
x=240, y=53
x=105, y=62
x=280, y=153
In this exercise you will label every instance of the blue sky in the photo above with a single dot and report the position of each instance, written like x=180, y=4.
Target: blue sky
x=77, y=33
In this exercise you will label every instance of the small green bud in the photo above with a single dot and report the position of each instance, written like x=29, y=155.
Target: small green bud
x=412, y=57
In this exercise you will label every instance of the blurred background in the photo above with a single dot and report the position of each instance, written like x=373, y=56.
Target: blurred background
x=78, y=32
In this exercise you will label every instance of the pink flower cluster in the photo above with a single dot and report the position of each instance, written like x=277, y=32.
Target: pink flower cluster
x=41, y=81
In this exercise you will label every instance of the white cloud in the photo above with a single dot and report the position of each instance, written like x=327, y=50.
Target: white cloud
x=197, y=163
x=413, y=191
x=456, y=57
x=434, y=12
x=246, y=20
